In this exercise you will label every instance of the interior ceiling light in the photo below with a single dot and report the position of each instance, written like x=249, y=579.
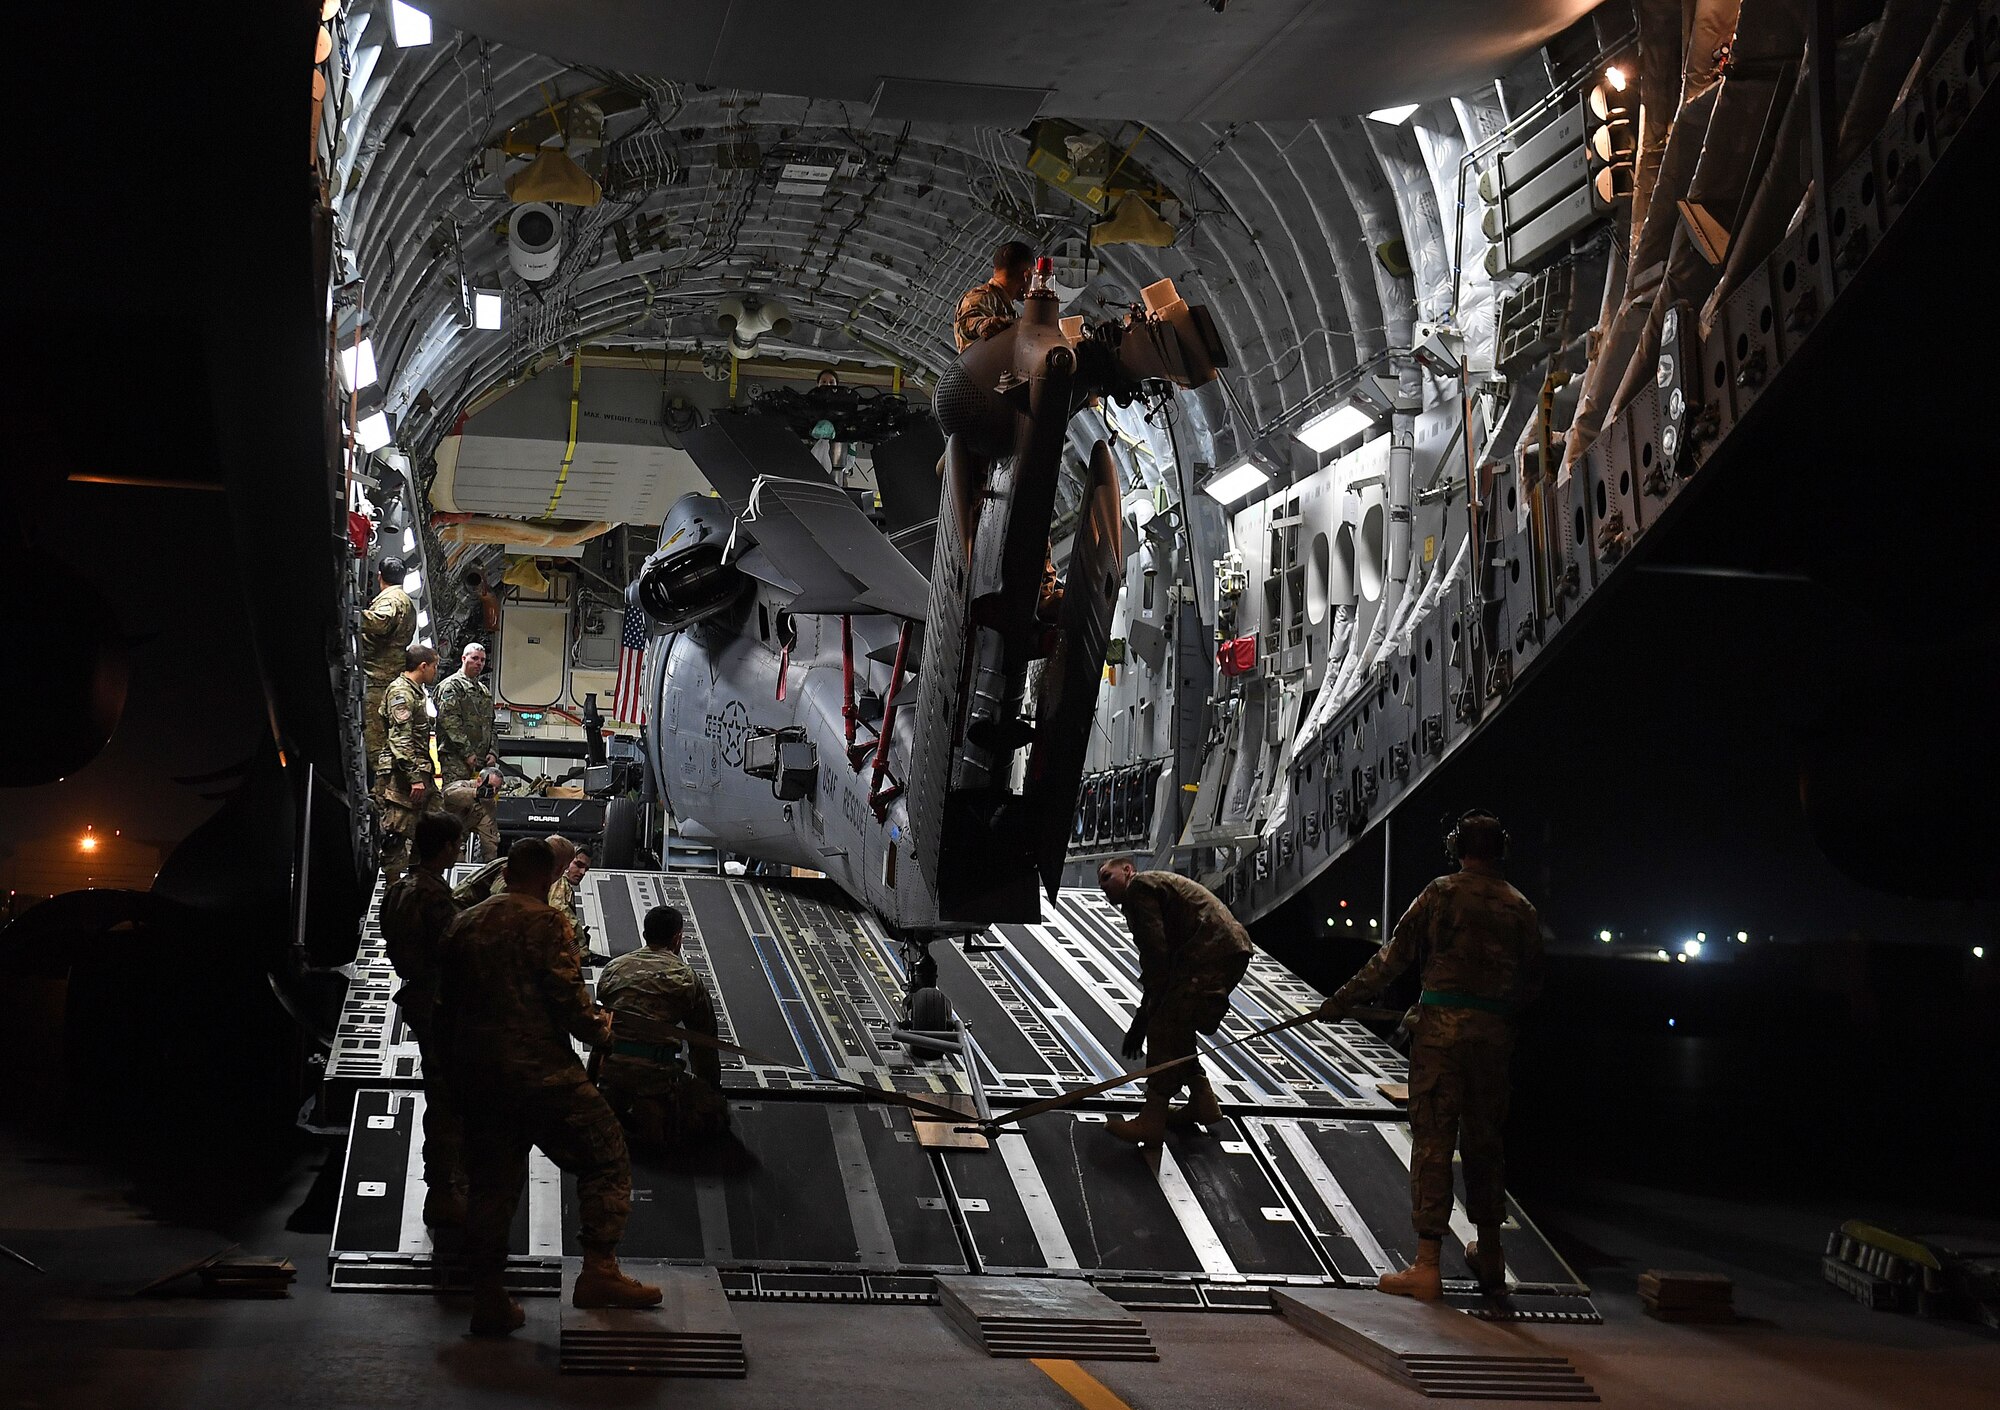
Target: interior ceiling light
x=1235, y=482
x=373, y=433
x=1398, y=112
x=1328, y=429
x=485, y=309
x=1615, y=76
x=357, y=365
x=413, y=582
x=412, y=26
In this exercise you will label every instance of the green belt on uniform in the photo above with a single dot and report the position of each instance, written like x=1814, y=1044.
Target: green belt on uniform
x=1446, y=999
x=652, y=1052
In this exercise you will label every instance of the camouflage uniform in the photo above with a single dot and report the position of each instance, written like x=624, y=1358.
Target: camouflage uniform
x=416, y=912
x=1192, y=953
x=982, y=312
x=405, y=759
x=667, y=1092
x=511, y=998
x=1481, y=947
x=478, y=813
x=562, y=896
x=386, y=629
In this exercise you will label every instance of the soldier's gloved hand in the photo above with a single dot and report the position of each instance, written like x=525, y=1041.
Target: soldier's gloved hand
x=1135, y=1038
x=1332, y=1011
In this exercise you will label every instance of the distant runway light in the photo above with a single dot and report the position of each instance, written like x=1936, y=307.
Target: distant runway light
x=1979, y=952
x=1350, y=922
x=1742, y=937
x=1605, y=936
x=1693, y=947
x=1702, y=936
x=1670, y=1023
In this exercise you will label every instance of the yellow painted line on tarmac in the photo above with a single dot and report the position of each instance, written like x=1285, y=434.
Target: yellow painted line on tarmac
x=1085, y=1389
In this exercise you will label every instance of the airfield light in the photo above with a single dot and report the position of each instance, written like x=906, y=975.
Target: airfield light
x=1328, y=429
x=373, y=433
x=1605, y=936
x=1329, y=920
x=1682, y=957
x=485, y=310
x=88, y=842
x=1350, y=922
x=1235, y=482
x=1742, y=937
x=1692, y=947
x=1615, y=76
x=412, y=27
x=357, y=365
x=1394, y=113
x=1979, y=952
x=1701, y=935
x=1670, y=1023
x=1662, y=954
x=1373, y=923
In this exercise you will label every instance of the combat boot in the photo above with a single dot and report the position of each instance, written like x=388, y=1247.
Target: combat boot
x=1200, y=1109
x=1488, y=1260
x=603, y=1284
x=494, y=1314
x=1421, y=1280
x=1149, y=1127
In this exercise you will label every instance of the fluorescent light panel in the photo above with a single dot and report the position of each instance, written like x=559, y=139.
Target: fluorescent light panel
x=1235, y=482
x=485, y=310
x=373, y=433
x=1398, y=112
x=411, y=26
x=1328, y=429
x=357, y=360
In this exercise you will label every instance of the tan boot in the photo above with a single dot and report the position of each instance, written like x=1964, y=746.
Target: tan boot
x=1421, y=1280
x=1200, y=1109
x=603, y=1284
x=1149, y=1127
x=1488, y=1260
x=494, y=1314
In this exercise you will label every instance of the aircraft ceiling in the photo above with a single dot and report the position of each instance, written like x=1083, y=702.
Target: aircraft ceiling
x=1169, y=60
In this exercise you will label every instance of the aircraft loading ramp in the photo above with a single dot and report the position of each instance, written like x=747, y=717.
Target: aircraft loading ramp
x=823, y=1194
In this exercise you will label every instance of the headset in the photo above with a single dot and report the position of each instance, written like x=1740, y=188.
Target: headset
x=1473, y=820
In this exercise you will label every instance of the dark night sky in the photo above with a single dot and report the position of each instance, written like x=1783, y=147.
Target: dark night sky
x=193, y=705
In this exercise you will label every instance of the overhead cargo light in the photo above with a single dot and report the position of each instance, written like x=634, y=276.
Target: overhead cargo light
x=1399, y=112
x=1235, y=482
x=486, y=307
x=357, y=365
x=412, y=26
x=1615, y=76
x=409, y=540
x=413, y=582
x=373, y=433
x=1328, y=429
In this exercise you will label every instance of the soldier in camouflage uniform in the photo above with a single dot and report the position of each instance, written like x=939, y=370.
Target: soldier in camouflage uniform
x=1192, y=953
x=389, y=625
x=988, y=308
x=465, y=746
x=474, y=802
x=562, y=896
x=416, y=912
x=667, y=1091
x=405, y=787
x=1480, y=945
x=511, y=998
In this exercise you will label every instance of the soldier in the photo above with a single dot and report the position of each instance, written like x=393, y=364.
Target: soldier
x=988, y=308
x=1480, y=945
x=667, y=1091
x=405, y=787
x=562, y=896
x=465, y=743
x=416, y=912
x=1192, y=953
x=475, y=803
x=387, y=627
x=511, y=1000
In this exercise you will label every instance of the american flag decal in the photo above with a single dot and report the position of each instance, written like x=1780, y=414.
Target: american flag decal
x=628, y=705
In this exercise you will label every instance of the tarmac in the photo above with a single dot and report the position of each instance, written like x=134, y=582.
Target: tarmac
x=74, y=1336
